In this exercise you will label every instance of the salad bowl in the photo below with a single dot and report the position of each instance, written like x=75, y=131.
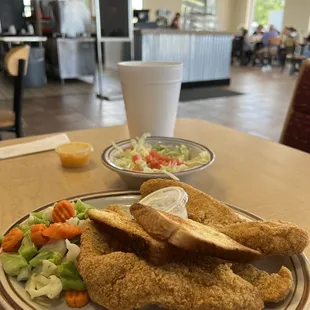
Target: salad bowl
x=115, y=158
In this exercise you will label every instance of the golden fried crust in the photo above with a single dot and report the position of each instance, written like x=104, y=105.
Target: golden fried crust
x=120, y=210
x=201, y=207
x=274, y=287
x=122, y=281
x=269, y=237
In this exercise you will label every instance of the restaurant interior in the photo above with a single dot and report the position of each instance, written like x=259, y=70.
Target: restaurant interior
x=154, y=154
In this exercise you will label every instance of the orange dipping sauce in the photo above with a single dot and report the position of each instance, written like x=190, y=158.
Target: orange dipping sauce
x=74, y=154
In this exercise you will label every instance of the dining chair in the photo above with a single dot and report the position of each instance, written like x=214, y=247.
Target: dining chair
x=16, y=62
x=296, y=130
x=272, y=50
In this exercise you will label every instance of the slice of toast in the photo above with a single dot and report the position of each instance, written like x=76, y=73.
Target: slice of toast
x=190, y=235
x=131, y=235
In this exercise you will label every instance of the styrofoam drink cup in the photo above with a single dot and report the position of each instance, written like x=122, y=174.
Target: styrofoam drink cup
x=151, y=93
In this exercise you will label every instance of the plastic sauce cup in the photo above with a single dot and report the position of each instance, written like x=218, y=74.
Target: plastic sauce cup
x=74, y=154
x=171, y=200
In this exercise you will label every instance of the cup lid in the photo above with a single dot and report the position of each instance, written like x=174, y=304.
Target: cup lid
x=171, y=199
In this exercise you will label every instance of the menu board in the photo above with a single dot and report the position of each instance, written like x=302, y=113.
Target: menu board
x=115, y=18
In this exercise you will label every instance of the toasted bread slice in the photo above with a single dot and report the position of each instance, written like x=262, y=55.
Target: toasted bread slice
x=190, y=235
x=132, y=235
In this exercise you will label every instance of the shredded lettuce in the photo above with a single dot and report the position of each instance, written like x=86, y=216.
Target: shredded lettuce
x=1, y=239
x=139, y=146
x=13, y=263
x=70, y=277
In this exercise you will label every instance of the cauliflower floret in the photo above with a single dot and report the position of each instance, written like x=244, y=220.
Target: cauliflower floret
x=73, y=251
x=75, y=221
x=46, y=268
x=38, y=285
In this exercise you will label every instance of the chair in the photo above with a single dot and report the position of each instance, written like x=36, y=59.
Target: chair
x=237, y=49
x=297, y=58
x=16, y=62
x=296, y=130
x=272, y=50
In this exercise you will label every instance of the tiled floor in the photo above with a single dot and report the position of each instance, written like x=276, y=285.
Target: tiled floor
x=260, y=111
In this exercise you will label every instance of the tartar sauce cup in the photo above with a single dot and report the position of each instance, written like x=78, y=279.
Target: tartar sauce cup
x=171, y=200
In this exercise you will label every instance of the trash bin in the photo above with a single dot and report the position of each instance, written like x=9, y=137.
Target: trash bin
x=36, y=75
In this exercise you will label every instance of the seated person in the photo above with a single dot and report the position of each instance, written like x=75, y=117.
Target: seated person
x=259, y=30
x=272, y=33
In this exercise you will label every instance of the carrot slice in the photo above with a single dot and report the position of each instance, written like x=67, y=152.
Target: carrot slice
x=37, y=235
x=77, y=299
x=63, y=210
x=59, y=231
x=12, y=240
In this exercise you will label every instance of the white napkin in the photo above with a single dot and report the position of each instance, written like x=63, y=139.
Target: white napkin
x=37, y=146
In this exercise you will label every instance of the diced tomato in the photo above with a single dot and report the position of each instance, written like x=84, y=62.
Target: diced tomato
x=136, y=157
x=155, y=154
x=155, y=164
x=148, y=158
x=129, y=148
x=167, y=158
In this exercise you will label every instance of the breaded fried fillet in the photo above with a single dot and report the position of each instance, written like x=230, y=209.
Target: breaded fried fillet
x=269, y=237
x=201, y=207
x=122, y=281
x=274, y=287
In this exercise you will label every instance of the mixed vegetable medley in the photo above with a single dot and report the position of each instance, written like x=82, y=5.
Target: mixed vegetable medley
x=143, y=157
x=43, y=251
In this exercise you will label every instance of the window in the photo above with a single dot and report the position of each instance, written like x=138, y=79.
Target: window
x=268, y=12
x=27, y=8
x=137, y=4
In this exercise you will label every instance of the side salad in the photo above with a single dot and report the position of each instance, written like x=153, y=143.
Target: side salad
x=143, y=157
x=43, y=251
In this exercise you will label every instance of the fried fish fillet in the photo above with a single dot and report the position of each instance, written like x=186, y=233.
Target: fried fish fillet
x=201, y=207
x=273, y=287
x=123, y=281
x=269, y=237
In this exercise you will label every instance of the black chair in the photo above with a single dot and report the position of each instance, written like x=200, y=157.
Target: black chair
x=16, y=64
x=237, y=53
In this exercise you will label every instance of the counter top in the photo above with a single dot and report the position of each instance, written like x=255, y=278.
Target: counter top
x=181, y=32
x=11, y=39
x=80, y=39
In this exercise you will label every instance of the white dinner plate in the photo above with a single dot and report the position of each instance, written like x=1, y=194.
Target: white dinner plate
x=13, y=295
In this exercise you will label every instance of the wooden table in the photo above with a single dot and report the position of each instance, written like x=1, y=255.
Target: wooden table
x=266, y=178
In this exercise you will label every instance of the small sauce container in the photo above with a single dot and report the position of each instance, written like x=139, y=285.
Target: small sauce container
x=74, y=154
x=171, y=200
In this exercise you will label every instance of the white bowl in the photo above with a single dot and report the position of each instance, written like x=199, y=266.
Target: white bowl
x=134, y=179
